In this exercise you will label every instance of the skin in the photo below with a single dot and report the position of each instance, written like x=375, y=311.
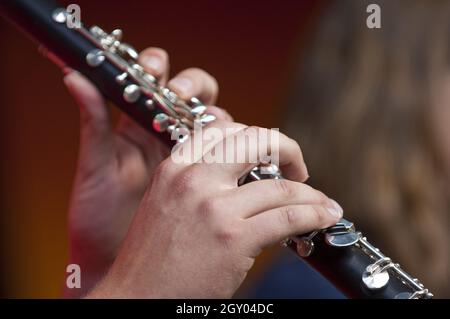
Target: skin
x=143, y=226
x=115, y=166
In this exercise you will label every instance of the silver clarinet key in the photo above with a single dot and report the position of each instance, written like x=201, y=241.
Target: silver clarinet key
x=131, y=93
x=376, y=275
x=95, y=58
x=121, y=78
x=161, y=122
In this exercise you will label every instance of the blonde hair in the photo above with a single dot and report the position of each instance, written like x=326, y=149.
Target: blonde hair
x=361, y=112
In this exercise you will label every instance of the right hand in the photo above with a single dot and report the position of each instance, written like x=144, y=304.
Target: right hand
x=196, y=233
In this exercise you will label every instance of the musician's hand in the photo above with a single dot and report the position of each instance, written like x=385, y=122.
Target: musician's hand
x=196, y=233
x=115, y=165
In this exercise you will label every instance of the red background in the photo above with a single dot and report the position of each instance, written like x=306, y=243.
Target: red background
x=248, y=46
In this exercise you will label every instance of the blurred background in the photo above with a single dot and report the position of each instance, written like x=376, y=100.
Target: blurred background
x=359, y=101
x=247, y=46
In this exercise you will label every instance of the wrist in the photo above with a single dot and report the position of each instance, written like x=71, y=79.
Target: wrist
x=113, y=287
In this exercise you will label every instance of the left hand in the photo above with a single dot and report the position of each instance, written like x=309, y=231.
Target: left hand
x=115, y=165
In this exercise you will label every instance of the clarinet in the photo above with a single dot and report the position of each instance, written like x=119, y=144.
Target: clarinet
x=340, y=253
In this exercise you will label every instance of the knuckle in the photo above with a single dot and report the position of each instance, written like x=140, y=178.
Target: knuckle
x=289, y=216
x=186, y=182
x=321, y=198
x=209, y=206
x=314, y=196
x=227, y=235
x=163, y=170
x=284, y=188
x=318, y=216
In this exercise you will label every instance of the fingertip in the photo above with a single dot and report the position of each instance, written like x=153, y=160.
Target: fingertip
x=89, y=99
x=293, y=163
x=81, y=86
x=195, y=82
x=183, y=86
x=337, y=208
x=305, y=174
x=154, y=64
x=75, y=82
x=155, y=61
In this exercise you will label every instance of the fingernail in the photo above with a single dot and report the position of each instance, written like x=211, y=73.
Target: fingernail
x=335, y=209
x=153, y=62
x=183, y=86
x=307, y=176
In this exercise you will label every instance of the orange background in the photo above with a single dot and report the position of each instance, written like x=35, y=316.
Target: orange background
x=248, y=46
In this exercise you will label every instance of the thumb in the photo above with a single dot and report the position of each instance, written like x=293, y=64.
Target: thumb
x=96, y=134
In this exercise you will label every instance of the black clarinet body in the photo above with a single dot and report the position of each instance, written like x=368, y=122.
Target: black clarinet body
x=340, y=253
x=346, y=269
x=71, y=47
